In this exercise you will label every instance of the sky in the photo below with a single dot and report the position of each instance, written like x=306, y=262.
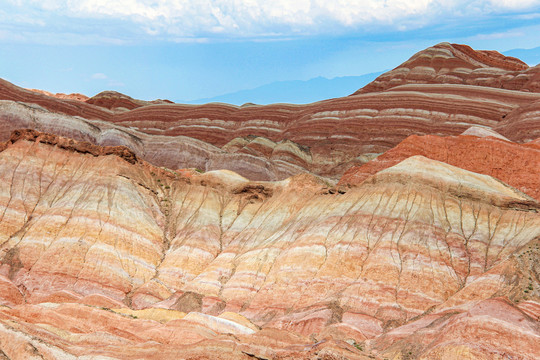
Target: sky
x=190, y=49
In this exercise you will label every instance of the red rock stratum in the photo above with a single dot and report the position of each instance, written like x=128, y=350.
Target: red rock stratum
x=515, y=164
x=447, y=63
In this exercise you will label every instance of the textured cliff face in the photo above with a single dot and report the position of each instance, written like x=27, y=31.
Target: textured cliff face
x=291, y=268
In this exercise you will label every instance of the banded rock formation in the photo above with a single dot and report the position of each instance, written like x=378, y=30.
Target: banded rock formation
x=114, y=243
x=269, y=161
x=443, y=90
x=292, y=269
x=515, y=164
x=447, y=63
x=113, y=100
x=354, y=125
x=73, y=96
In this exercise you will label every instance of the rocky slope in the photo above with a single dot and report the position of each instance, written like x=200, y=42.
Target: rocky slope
x=402, y=222
x=291, y=268
x=290, y=138
x=447, y=63
x=516, y=164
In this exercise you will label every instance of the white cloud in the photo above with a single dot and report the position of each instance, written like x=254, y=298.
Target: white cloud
x=515, y=4
x=498, y=35
x=179, y=19
x=99, y=76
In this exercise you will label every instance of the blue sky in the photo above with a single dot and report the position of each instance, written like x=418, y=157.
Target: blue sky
x=187, y=49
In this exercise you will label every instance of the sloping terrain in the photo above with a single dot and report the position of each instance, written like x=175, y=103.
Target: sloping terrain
x=447, y=63
x=402, y=222
x=324, y=138
x=80, y=226
x=515, y=164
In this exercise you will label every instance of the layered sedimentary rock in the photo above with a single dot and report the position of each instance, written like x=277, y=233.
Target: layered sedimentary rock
x=515, y=164
x=73, y=96
x=523, y=122
x=113, y=100
x=293, y=268
x=279, y=161
x=447, y=63
x=324, y=138
x=129, y=236
x=9, y=91
x=443, y=90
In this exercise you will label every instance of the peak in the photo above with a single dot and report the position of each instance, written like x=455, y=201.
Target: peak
x=447, y=63
x=111, y=94
x=475, y=58
x=69, y=144
x=113, y=99
x=489, y=58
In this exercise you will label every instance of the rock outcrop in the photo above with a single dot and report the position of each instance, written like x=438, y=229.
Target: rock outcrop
x=73, y=96
x=292, y=268
x=133, y=229
x=447, y=63
x=515, y=164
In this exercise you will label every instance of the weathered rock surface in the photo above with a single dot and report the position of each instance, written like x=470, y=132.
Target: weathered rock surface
x=280, y=161
x=447, y=63
x=483, y=132
x=325, y=138
x=73, y=96
x=443, y=90
x=291, y=269
x=427, y=250
x=515, y=164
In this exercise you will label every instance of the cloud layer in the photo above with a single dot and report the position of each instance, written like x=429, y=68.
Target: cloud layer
x=185, y=19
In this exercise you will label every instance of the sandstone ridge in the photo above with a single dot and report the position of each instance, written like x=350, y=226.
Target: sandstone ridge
x=447, y=63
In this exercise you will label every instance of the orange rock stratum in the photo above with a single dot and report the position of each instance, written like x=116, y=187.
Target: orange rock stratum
x=402, y=222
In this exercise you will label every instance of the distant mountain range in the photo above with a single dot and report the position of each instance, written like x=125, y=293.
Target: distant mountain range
x=320, y=88
x=530, y=56
x=294, y=91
